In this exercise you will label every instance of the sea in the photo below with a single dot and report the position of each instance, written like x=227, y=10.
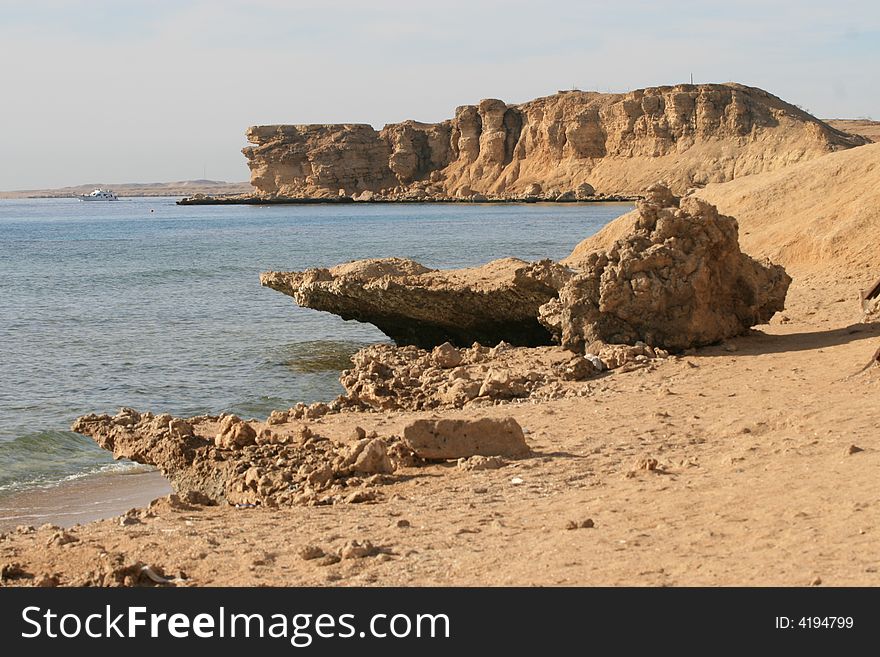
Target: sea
x=143, y=303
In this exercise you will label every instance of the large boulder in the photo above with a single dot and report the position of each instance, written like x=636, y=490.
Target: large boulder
x=454, y=439
x=677, y=280
x=415, y=305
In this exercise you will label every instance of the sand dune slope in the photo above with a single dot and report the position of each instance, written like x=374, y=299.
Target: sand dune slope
x=817, y=216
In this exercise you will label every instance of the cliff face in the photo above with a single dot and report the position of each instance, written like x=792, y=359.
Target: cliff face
x=689, y=135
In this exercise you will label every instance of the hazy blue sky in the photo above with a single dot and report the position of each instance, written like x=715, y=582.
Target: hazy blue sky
x=158, y=90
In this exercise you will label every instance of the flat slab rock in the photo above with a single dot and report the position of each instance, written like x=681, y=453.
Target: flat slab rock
x=415, y=305
x=454, y=439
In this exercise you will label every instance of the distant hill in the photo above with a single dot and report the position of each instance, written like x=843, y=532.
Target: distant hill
x=179, y=188
x=864, y=127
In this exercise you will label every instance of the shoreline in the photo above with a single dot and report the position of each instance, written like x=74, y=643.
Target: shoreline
x=81, y=501
x=285, y=200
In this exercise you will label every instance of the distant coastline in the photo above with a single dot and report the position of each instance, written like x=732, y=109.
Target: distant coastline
x=177, y=188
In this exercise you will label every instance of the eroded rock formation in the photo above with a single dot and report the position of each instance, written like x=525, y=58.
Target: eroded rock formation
x=416, y=305
x=226, y=459
x=677, y=280
x=616, y=143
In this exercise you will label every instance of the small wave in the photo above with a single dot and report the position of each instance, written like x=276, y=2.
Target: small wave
x=48, y=458
x=316, y=356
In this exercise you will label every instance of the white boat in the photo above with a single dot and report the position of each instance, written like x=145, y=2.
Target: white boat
x=99, y=195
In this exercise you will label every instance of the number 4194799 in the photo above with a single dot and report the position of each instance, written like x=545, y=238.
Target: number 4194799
x=815, y=622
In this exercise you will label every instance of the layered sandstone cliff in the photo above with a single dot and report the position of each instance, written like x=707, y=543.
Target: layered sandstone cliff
x=688, y=135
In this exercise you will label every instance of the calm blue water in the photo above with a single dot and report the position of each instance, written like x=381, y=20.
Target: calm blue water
x=147, y=304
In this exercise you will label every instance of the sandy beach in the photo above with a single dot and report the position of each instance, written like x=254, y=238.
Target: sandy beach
x=765, y=452
x=82, y=500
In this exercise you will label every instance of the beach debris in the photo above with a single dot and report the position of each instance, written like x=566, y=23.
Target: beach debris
x=455, y=439
x=874, y=360
x=386, y=377
x=150, y=573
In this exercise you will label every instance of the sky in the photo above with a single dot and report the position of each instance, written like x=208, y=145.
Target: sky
x=153, y=91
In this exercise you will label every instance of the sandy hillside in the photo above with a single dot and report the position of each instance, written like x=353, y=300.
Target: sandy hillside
x=817, y=217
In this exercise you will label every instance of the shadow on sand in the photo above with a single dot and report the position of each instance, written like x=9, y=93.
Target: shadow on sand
x=763, y=343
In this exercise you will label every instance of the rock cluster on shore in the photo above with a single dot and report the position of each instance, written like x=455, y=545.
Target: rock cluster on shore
x=677, y=280
x=286, y=460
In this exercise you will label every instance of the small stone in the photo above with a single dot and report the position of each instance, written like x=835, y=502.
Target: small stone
x=277, y=417
x=587, y=524
x=61, y=538
x=328, y=560
x=12, y=571
x=309, y=552
x=361, y=496
x=571, y=524
x=357, y=550
x=516, y=481
x=234, y=433
x=476, y=463
x=46, y=581
x=373, y=459
x=853, y=449
x=649, y=464
x=446, y=356
x=816, y=581
x=403, y=523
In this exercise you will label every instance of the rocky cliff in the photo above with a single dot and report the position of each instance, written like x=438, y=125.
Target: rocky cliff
x=571, y=143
